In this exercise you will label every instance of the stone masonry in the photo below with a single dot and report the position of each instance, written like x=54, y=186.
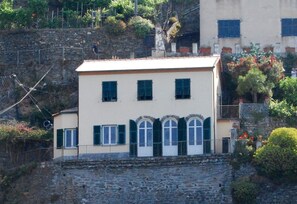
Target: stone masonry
x=199, y=179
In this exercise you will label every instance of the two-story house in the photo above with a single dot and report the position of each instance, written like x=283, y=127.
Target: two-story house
x=237, y=23
x=144, y=107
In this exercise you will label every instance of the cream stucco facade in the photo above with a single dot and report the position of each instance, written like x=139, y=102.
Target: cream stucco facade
x=260, y=23
x=204, y=76
x=66, y=119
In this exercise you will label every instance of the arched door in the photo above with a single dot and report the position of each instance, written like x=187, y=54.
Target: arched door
x=145, y=139
x=195, y=137
x=170, y=138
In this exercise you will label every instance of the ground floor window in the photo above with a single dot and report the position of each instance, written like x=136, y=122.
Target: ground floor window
x=170, y=133
x=145, y=134
x=195, y=132
x=109, y=135
x=70, y=138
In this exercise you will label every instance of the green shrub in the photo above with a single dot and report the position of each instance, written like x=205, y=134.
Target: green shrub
x=141, y=26
x=288, y=89
x=278, y=159
x=242, y=154
x=244, y=191
x=284, y=137
x=114, y=26
x=124, y=7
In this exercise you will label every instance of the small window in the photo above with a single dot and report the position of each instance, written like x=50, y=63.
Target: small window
x=144, y=90
x=109, y=91
x=289, y=27
x=228, y=28
x=70, y=138
x=182, y=89
x=109, y=135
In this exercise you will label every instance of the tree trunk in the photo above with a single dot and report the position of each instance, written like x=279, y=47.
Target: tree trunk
x=255, y=98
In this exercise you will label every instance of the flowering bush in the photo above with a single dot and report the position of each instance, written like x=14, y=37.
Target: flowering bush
x=21, y=130
x=267, y=65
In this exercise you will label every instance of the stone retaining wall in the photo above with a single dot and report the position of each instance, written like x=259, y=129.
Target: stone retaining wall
x=197, y=179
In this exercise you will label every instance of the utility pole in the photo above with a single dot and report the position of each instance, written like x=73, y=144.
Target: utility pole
x=135, y=7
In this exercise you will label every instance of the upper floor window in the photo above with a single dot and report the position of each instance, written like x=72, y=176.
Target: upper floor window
x=229, y=28
x=71, y=138
x=289, y=27
x=182, y=89
x=144, y=90
x=109, y=91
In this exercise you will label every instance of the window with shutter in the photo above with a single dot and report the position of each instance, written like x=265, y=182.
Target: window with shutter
x=144, y=90
x=133, y=138
x=60, y=133
x=207, y=136
x=157, y=138
x=289, y=27
x=109, y=91
x=182, y=89
x=182, y=137
x=70, y=138
x=228, y=28
x=122, y=134
x=96, y=135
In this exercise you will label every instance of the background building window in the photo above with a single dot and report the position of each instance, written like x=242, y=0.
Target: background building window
x=144, y=90
x=182, y=89
x=229, y=28
x=109, y=91
x=289, y=27
x=71, y=138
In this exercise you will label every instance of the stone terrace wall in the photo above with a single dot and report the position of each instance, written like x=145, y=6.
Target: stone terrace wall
x=48, y=40
x=204, y=179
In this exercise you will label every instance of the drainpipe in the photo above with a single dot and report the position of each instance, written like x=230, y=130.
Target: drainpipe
x=214, y=111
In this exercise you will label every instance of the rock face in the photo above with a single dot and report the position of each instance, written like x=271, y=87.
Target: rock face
x=30, y=53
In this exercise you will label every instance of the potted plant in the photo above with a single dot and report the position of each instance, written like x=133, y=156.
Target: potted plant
x=268, y=48
x=290, y=49
x=227, y=50
x=205, y=50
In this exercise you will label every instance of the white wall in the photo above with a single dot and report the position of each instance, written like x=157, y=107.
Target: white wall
x=260, y=22
x=92, y=111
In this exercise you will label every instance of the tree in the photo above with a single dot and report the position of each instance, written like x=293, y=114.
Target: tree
x=288, y=89
x=253, y=82
x=263, y=70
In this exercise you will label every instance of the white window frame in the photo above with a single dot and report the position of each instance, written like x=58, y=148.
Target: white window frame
x=109, y=127
x=73, y=138
x=170, y=128
x=195, y=130
x=146, y=129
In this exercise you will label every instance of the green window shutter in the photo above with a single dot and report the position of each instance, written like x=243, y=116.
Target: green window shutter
x=133, y=138
x=96, y=134
x=76, y=137
x=60, y=133
x=182, y=137
x=157, y=138
x=122, y=134
x=206, y=136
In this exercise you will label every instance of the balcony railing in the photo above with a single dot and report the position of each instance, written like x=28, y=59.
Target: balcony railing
x=228, y=111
